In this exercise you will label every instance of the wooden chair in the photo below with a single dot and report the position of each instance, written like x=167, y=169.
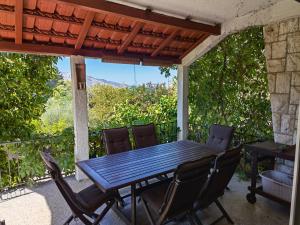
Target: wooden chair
x=144, y=135
x=224, y=168
x=116, y=140
x=173, y=199
x=84, y=203
x=220, y=137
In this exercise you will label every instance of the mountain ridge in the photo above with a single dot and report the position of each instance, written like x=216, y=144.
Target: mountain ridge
x=92, y=81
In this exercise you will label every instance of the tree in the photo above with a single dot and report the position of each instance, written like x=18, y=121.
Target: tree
x=112, y=107
x=102, y=102
x=58, y=114
x=147, y=104
x=26, y=83
x=228, y=85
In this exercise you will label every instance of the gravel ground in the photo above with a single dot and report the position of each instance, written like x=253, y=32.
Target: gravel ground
x=43, y=205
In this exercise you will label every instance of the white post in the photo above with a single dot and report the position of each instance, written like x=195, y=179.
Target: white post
x=295, y=204
x=80, y=112
x=182, y=101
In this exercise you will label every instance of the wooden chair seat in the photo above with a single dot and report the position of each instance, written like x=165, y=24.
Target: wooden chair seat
x=92, y=197
x=154, y=196
x=170, y=200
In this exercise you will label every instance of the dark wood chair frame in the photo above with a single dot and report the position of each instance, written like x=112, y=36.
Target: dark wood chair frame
x=227, y=136
x=224, y=168
x=184, y=176
x=78, y=211
x=135, y=133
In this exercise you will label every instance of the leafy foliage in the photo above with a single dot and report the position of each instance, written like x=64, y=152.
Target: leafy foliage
x=228, y=85
x=26, y=83
x=136, y=105
x=58, y=114
x=102, y=102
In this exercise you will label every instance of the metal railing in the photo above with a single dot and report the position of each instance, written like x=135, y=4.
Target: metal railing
x=20, y=162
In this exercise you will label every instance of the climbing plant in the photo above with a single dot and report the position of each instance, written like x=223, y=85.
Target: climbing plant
x=228, y=85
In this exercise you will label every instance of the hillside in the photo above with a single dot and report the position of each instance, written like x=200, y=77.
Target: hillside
x=91, y=81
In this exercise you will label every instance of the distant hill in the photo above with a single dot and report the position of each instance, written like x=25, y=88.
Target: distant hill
x=91, y=81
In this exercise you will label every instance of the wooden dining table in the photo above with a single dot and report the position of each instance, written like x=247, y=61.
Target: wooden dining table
x=112, y=172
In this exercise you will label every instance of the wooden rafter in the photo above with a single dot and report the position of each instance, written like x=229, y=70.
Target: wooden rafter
x=94, y=40
x=164, y=43
x=18, y=21
x=84, y=29
x=104, y=6
x=68, y=51
x=37, y=14
x=130, y=37
x=201, y=39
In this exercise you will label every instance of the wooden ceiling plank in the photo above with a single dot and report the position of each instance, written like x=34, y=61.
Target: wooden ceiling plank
x=18, y=21
x=164, y=44
x=143, y=15
x=137, y=27
x=84, y=29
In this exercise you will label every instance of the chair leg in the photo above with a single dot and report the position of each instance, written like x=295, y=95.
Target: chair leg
x=103, y=213
x=84, y=220
x=69, y=220
x=191, y=219
x=120, y=200
x=224, y=212
x=145, y=205
x=196, y=218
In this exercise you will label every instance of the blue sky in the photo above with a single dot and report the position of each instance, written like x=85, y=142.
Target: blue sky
x=122, y=73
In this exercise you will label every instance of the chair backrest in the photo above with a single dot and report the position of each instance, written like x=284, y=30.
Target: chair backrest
x=224, y=168
x=62, y=185
x=220, y=137
x=116, y=140
x=189, y=179
x=144, y=135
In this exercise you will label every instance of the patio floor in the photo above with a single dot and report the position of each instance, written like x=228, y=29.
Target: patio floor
x=44, y=206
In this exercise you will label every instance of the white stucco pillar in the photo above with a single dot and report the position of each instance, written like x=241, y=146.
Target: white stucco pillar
x=295, y=204
x=80, y=112
x=182, y=101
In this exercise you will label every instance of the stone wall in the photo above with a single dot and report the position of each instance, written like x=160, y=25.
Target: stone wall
x=282, y=51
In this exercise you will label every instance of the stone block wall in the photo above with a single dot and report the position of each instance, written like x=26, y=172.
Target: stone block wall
x=282, y=51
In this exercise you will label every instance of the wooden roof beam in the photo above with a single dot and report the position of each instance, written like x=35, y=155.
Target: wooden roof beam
x=164, y=44
x=6, y=46
x=18, y=21
x=84, y=29
x=137, y=27
x=146, y=16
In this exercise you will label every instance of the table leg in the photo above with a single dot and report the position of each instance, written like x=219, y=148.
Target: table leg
x=133, y=204
x=254, y=171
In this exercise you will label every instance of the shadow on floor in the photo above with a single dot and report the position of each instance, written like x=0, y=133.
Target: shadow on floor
x=45, y=206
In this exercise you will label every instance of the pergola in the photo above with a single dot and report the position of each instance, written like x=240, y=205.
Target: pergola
x=160, y=32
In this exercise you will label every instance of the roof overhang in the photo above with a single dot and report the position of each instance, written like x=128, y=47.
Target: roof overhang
x=161, y=32
x=101, y=29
